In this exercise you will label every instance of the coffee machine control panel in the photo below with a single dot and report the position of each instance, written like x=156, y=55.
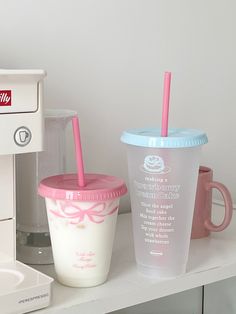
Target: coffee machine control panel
x=21, y=118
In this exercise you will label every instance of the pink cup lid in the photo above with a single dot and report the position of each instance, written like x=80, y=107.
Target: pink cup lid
x=98, y=187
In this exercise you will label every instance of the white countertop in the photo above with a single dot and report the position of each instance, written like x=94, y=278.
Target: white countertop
x=210, y=260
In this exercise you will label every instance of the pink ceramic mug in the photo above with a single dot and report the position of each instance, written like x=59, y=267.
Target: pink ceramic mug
x=202, y=224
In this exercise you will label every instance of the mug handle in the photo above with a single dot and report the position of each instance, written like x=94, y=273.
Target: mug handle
x=228, y=207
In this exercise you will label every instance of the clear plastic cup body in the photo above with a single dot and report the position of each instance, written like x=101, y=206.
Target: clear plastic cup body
x=162, y=189
x=82, y=235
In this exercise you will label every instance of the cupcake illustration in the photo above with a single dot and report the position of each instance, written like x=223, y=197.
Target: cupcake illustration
x=154, y=164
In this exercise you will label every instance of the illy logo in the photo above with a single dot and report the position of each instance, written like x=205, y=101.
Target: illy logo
x=5, y=97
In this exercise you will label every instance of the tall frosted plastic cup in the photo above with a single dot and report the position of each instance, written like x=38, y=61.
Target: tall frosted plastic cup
x=82, y=223
x=163, y=174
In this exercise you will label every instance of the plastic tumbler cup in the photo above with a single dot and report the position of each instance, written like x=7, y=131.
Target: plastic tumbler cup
x=82, y=224
x=163, y=175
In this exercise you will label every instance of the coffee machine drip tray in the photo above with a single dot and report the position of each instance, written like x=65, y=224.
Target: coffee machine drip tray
x=22, y=288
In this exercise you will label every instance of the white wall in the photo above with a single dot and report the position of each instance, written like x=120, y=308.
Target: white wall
x=106, y=59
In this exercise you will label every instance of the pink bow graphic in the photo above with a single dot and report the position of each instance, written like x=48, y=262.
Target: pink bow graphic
x=96, y=213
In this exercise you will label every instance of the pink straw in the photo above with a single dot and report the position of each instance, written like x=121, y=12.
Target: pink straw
x=165, y=107
x=78, y=152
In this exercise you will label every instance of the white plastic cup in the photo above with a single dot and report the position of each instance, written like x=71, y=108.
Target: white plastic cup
x=82, y=225
x=163, y=175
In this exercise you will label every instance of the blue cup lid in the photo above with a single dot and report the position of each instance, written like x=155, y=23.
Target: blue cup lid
x=151, y=137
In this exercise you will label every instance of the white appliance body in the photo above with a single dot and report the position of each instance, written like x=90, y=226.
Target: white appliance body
x=22, y=289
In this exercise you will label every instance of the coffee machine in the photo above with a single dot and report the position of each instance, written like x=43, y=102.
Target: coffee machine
x=33, y=245
x=22, y=289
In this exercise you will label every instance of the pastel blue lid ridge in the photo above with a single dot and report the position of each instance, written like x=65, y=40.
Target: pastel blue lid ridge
x=151, y=137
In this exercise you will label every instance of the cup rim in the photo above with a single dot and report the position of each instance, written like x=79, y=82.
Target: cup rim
x=99, y=187
x=204, y=171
